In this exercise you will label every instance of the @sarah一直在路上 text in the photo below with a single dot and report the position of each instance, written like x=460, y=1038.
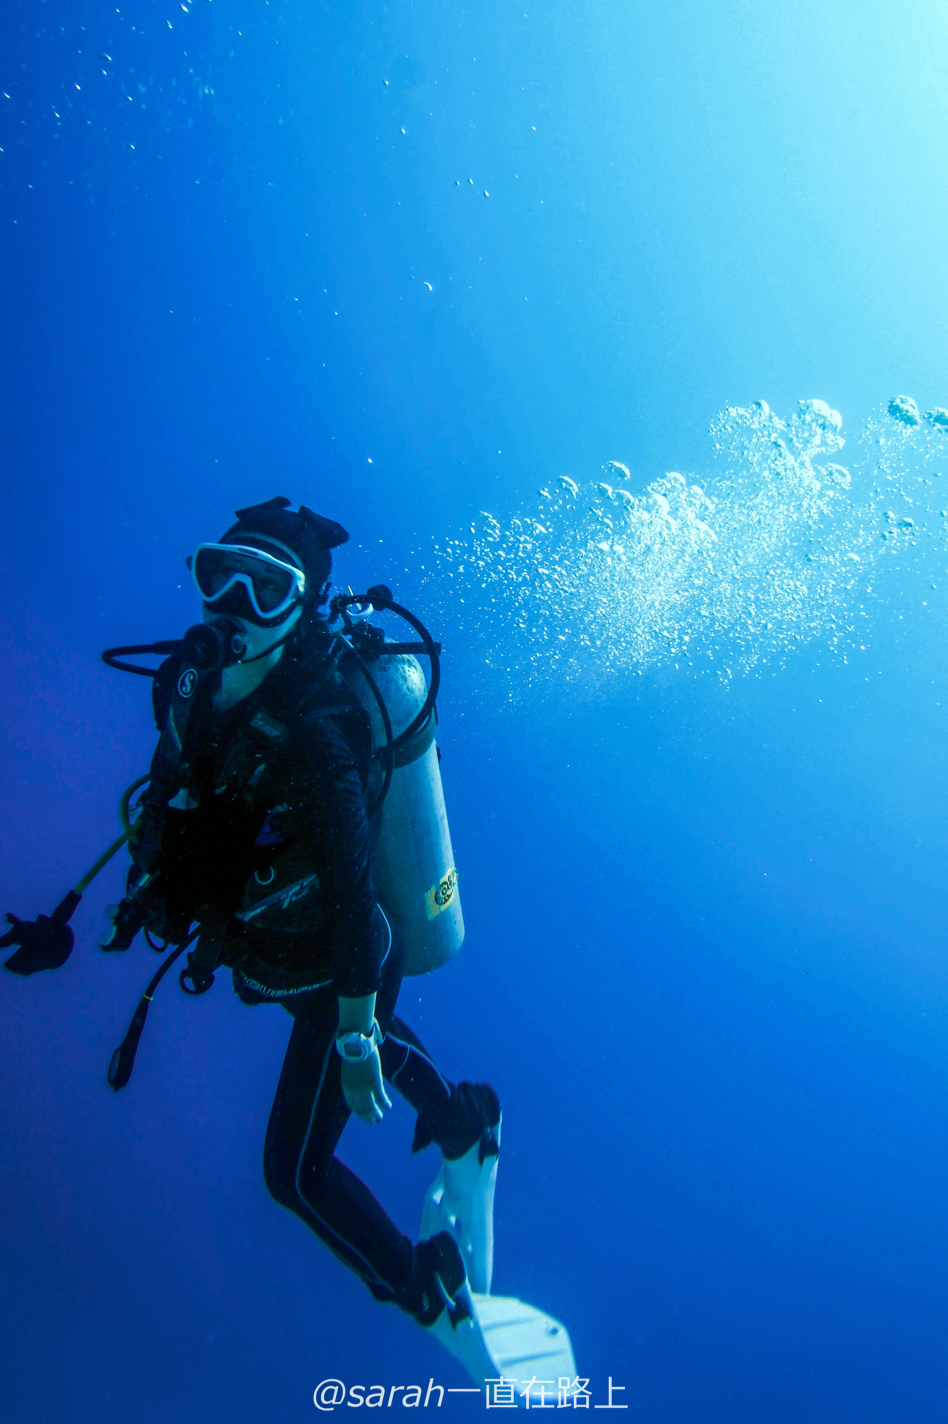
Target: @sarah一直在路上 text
x=500, y=1393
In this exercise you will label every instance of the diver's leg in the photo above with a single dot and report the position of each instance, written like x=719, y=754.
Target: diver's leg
x=308, y=1116
x=410, y=1068
x=464, y=1120
x=454, y=1115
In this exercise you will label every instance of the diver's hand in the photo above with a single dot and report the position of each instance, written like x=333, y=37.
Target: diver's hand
x=44, y=943
x=363, y=1089
x=125, y=920
x=143, y=908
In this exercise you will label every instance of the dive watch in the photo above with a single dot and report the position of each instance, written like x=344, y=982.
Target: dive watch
x=355, y=1047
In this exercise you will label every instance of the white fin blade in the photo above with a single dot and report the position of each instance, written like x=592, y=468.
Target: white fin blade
x=505, y=1337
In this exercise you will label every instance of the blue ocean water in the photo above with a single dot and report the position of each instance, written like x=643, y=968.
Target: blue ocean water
x=586, y=321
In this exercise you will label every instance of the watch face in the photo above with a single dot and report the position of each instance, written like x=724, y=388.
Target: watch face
x=354, y=1047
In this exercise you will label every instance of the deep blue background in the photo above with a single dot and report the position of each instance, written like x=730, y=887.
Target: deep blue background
x=705, y=965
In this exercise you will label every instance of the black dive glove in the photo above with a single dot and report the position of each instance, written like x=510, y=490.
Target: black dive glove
x=44, y=943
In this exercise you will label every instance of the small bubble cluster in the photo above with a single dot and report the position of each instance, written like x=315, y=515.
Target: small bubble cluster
x=777, y=546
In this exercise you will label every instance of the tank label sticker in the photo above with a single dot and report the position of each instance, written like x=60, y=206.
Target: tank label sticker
x=440, y=896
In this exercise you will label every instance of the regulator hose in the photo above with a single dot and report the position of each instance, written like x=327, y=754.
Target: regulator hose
x=124, y=805
x=380, y=598
x=123, y=1059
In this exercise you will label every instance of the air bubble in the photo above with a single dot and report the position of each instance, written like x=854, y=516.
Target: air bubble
x=772, y=548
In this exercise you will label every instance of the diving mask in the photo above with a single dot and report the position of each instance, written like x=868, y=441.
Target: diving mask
x=227, y=575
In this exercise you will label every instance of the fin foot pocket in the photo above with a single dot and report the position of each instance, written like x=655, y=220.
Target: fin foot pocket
x=437, y=1279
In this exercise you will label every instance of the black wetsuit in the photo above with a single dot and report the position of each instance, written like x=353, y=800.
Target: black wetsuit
x=257, y=829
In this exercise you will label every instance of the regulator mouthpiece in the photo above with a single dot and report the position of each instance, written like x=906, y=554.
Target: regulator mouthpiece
x=209, y=646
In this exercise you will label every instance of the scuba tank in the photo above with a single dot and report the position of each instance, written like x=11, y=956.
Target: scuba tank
x=416, y=876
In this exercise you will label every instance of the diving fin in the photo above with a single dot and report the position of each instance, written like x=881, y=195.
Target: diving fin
x=502, y=1338
x=461, y=1200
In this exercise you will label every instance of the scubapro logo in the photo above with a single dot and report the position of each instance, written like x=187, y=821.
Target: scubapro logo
x=187, y=682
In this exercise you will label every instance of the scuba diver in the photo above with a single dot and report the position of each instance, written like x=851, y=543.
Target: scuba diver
x=276, y=838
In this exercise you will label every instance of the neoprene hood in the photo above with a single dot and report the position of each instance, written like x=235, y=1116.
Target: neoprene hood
x=309, y=535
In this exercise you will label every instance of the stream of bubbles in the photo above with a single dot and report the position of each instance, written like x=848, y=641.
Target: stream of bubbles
x=775, y=545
